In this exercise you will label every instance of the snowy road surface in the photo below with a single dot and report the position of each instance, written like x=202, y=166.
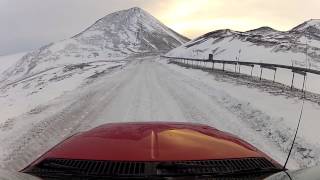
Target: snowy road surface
x=148, y=89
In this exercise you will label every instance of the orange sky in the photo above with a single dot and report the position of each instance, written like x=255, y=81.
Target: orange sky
x=196, y=17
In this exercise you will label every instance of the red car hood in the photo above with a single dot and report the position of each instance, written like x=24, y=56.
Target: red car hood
x=153, y=142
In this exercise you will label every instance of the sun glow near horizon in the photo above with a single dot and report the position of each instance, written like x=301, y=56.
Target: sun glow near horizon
x=196, y=17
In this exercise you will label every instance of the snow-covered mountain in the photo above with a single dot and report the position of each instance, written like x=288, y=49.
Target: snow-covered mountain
x=47, y=73
x=113, y=37
x=312, y=26
x=262, y=45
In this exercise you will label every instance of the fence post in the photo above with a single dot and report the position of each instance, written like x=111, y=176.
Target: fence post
x=252, y=70
x=211, y=60
x=261, y=73
x=292, y=80
x=274, y=75
x=210, y=57
x=304, y=81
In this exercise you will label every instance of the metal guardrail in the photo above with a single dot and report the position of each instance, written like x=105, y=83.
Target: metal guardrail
x=295, y=70
x=246, y=63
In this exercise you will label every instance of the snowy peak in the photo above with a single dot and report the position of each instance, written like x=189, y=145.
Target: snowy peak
x=216, y=34
x=136, y=10
x=311, y=26
x=262, y=30
x=132, y=30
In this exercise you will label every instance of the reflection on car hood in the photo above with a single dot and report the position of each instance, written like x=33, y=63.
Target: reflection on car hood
x=303, y=174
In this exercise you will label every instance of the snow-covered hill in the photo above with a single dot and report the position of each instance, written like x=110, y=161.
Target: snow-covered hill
x=261, y=45
x=46, y=73
x=113, y=37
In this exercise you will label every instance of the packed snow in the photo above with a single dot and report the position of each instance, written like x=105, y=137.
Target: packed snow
x=22, y=96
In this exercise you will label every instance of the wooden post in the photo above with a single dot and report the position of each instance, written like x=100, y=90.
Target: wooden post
x=292, y=81
x=261, y=74
x=223, y=66
x=239, y=68
x=251, y=70
x=211, y=59
x=274, y=75
x=235, y=68
x=304, y=81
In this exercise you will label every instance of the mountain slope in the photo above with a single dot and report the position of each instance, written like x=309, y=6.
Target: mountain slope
x=113, y=37
x=263, y=45
x=105, y=47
